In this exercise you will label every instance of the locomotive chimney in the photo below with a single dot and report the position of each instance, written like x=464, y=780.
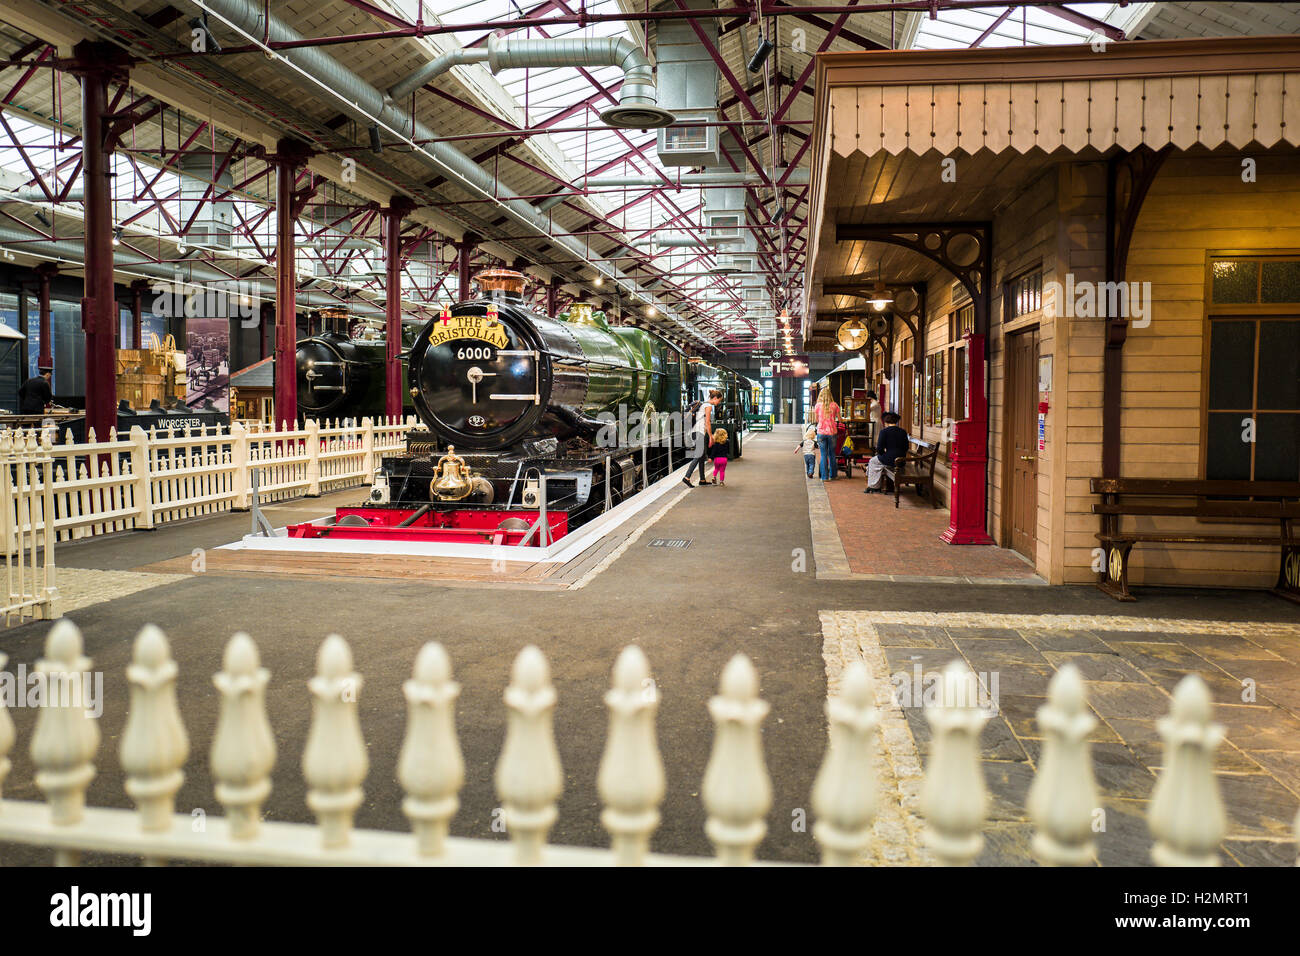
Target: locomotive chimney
x=501, y=283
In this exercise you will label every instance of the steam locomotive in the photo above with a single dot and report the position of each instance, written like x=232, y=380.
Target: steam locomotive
x=341, y=373
x=533, y=425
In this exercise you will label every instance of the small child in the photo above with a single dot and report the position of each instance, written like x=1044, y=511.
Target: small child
x=718, y=452
x=809, y=445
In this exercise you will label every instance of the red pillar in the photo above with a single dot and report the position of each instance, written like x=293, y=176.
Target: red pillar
x=466, y=246
x=968, y=492
x=289, y=156
x=44, y=272
x=398, y=207
x=553, y=296
x=99, y=312
x=137, y=306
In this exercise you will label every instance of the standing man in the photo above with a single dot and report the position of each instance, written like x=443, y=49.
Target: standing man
x=36, y=393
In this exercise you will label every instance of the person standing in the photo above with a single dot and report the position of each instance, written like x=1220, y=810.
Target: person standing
x=809, y=446
x=35, y=393
x=873, y=412
x=701, y=431
x=828, y=423
x=718, y=452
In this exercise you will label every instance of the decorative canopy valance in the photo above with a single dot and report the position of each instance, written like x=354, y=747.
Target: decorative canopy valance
x=1128, y=95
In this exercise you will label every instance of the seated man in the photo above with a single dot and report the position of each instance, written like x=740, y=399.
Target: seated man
x=890, y=446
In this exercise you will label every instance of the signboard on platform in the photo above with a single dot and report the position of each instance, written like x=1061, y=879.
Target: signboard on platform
x=207, y=362
x=791, y=366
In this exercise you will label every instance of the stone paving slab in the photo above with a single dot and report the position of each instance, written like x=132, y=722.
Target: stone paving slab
x=1130, y=666
x=82, y=587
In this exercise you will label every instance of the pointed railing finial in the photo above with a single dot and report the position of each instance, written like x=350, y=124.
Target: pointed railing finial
x=631, y=775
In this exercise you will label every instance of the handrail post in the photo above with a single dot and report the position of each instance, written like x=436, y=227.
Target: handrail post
x=141, y=480
x=239, y=440
x=312, y=429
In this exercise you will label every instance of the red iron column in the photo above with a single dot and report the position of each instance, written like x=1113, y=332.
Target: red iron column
x=137, y=306
x=290, y=155
x=44, y=273
x=96, y=65
x=553, y=296
x=466, y=249
x=398, y=207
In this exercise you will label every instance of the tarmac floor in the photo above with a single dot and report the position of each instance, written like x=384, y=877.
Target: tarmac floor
x=744, y=584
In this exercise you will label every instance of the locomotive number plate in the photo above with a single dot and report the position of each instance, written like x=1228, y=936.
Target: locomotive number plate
x=468, y=327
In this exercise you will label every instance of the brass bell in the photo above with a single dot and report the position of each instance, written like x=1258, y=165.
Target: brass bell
x=452, y=477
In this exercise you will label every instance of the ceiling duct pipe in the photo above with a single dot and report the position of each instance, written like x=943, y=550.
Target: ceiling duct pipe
x=637, y=106
x=37, y=195
x=798, y=177
x=361, y=101
x=685, y=242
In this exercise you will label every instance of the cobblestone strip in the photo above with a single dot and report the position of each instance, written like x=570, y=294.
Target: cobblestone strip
x=846, y=638
x=1082, y=622
x=81, y=587
x=830, y=563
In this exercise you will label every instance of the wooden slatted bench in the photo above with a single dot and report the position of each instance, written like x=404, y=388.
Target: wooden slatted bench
x=916, y=469
x=1250, y=501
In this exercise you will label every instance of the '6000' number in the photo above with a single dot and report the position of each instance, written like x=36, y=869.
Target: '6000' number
x=475, y=352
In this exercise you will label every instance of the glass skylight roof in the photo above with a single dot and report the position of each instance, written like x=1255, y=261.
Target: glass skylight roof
x=1025, y=26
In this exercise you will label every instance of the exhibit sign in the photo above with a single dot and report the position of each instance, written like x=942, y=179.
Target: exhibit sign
x=207, y=363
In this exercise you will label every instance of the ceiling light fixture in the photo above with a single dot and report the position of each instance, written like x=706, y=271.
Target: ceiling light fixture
x=880, y=296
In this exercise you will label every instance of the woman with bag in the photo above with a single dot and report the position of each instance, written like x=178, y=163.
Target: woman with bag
x=828, y=423
x=701, y=432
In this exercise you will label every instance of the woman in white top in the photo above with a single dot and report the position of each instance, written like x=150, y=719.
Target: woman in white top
x=700, y=436
x=874, y=414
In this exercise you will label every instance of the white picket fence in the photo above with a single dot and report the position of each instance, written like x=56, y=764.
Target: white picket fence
x=30, y=590
x=1186, y=816
x=146, y=479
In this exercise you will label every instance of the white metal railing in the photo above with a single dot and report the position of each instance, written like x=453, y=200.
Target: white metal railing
x=1186, y=815
x=25, y=499
x=146, y=479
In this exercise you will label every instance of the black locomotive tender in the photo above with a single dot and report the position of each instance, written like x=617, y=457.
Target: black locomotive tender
x=524, y=413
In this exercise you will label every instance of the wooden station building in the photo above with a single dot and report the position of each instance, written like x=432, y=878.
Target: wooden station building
x=998, y=193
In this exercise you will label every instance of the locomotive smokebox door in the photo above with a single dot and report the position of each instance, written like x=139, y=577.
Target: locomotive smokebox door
x=478, y=376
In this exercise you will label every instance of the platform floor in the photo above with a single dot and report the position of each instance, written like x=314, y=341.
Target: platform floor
x=748, y=581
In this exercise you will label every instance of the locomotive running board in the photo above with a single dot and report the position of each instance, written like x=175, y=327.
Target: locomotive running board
x=565, y=549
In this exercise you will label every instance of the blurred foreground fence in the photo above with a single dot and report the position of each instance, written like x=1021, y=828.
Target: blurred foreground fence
x=29, y=559
x=1186, y=816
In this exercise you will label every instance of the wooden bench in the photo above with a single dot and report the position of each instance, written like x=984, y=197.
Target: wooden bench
x=1248, y=501
x=916, y=468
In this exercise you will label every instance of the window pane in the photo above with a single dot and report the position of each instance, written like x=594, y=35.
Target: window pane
x=1279, y=365
x=1232, y=364
x=1280, y=282
x=1277, y=448
x=1227, y=457
x=1235, y=280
